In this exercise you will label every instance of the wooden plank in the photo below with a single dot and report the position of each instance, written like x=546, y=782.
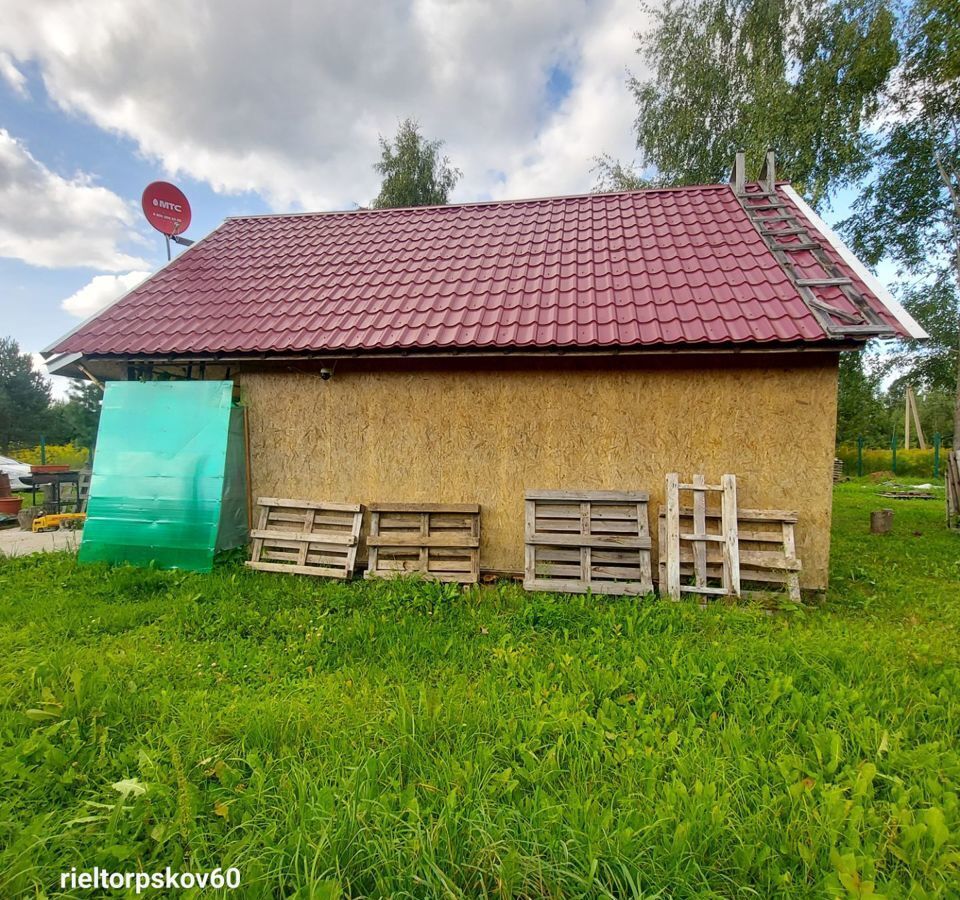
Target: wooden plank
x=316, y=537
x=790, y=551
x=643, y=530
x=769, y=560
x=585, y=563
x=591, y=496
x=568, y=586
x=821, y=282
x=424, y=552
x=270, y=546
x=423, y=540
x=593, y=540
x=750, y=515
x=309, y=504
x=529, y=551
x=323, y=571
x=473, y=508
x=257, y=547
x=673, y=536
x=731, y=559
x=699, y=528
x=695, y=589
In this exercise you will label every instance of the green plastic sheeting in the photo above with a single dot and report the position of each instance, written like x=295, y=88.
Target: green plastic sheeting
x=169, y=475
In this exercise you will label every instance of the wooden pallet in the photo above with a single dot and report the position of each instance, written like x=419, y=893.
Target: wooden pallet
x=577, y=541
x=698, y=536
x=435, y=540
x=766, y=545
x=953, y=489
x=837, y=471
x=305, y=537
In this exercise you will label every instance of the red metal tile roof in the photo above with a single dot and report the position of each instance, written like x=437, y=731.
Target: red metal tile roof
x=681, y=266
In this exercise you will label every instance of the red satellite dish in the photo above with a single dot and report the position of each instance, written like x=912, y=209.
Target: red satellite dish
x=166, y=208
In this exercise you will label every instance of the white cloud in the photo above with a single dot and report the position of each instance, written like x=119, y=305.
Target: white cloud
x=51, y=221
x=100, y=292
x=288, y=99
x=12, y=75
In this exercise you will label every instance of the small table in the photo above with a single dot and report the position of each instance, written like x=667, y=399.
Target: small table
x=38, y=479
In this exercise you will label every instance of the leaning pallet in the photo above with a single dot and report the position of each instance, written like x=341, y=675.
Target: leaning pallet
x=837, y=471
x=696, y=538
x=305, y=537
x=766, y=545
x=436, y=540
x=953, y=489
x=577, y=541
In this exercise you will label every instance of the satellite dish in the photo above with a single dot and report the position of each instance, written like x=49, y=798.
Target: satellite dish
x=166, y=208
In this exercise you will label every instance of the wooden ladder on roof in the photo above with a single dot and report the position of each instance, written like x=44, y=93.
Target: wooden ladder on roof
x=786, y=236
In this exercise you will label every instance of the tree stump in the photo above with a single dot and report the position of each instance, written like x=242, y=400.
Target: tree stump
x=881, y=521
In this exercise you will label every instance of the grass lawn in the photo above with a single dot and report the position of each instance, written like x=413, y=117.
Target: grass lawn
x=409, y=740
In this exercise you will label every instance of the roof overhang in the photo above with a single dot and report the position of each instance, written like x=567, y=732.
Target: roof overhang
x=83, y=365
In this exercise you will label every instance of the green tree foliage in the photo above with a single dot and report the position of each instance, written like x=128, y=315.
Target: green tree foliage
x=861, y=410
x=414, y=173
x=75, y=420
x=24, y=397
x=803, y=76
x=910, y=211
x=613, y=175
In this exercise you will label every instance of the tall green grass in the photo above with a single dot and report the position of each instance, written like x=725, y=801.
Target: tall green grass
x=405, y=739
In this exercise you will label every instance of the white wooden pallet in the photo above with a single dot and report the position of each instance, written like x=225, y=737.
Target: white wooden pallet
x=696, y=537
x=435, y=540
x=577, y=541
x=305, y=537
x=767, y=549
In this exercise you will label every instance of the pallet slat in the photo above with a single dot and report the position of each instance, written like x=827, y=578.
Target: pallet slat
x=324, y=544
x=575, y=541
x=440, y=541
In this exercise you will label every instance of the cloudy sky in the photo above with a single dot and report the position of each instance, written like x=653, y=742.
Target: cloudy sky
x=256, y=107
x=253, y=107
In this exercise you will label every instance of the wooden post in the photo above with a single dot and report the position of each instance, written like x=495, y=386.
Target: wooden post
x=739, y=173
x=673, y=536
x=906, y=419
x=912, y=409
x=881, y=521
x=731, y=547
x=769, y=172
x=699, y=527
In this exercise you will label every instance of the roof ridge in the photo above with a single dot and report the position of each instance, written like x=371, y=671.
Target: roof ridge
x=472, y=203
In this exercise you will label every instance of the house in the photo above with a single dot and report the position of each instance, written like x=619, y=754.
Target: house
x=465, y=353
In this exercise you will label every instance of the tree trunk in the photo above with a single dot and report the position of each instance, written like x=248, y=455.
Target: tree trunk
x=949, y=183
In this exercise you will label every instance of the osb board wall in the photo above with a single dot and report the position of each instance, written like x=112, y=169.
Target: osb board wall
x=484, y=431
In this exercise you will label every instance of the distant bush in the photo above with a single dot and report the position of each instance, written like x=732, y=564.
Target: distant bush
x=916, y=463
x=57, y=454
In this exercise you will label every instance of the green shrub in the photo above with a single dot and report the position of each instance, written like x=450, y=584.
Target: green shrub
x=915, y=463
x=57, y=454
